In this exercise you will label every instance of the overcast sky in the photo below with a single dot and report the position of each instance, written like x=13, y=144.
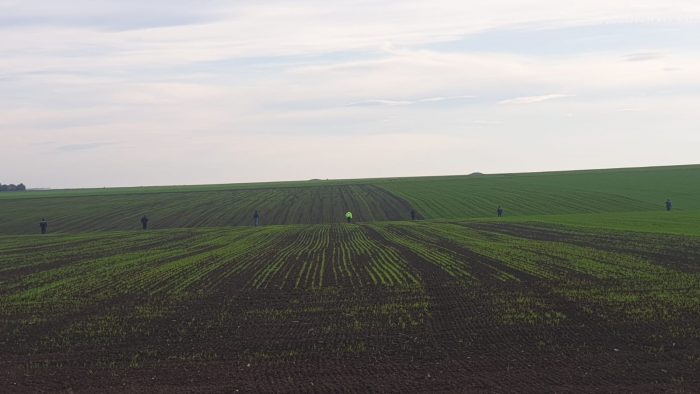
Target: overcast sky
x=113, y=93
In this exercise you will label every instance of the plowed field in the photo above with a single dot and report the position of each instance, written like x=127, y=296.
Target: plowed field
x=401, y=306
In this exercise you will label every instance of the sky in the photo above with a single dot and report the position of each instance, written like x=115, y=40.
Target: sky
x=98, y=93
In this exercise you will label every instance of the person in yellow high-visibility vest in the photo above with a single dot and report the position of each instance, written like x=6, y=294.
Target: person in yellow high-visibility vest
x=348, y=216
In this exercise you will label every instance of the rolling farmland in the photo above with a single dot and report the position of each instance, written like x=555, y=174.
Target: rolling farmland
x=177, y=209
x=572, y=291
x=318, y=202
x=332, y=197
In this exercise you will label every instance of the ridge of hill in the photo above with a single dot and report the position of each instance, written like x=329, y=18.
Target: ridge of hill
x=315, y=202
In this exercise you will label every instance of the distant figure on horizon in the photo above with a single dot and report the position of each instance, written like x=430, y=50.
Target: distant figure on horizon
x=43, y=225
x=413, y=214
x=669, y=204
x=144, y=222
x=499, y=211
x=348, y=217
x=256, y=218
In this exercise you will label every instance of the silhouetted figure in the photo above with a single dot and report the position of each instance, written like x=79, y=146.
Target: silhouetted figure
x=256, y=218
x=348, y=217
x=669, y=205
x=413, y=215
x=499, y=211
x=144, y=222
x=44, y=226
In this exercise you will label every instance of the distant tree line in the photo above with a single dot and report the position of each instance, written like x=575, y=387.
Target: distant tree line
x=12, y=188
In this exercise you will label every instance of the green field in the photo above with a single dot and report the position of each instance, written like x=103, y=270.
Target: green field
x=622, y=190
x=682, y=222
x=625, y=190
x=586, y=285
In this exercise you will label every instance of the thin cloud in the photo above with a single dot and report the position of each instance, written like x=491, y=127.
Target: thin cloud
x=643, y=57
x=534, y=99
x=449, y=98
x=88, y=146
x=108, y=15
x=375, y=102
x=378, y=102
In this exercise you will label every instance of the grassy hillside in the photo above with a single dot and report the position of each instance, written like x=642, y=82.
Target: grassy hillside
x=617, y=190
x=574, y=192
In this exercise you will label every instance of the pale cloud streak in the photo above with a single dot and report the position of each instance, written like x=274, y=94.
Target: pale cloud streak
x=643, y=57
x=438, y=99
x=534, y=99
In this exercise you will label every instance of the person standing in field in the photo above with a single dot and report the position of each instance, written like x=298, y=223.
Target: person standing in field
x=144, y=222
x=499, y=211
x=256, y=218
x=348, y=217
x=669, y=204
x=43, y=225
x=413, y=214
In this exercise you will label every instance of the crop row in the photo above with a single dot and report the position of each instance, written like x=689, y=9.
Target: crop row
x=333, y=256
x=99, y=267
x=395, y=295
x=300, y=205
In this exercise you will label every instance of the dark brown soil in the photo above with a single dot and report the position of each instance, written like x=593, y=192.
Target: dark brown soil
x=443, y=334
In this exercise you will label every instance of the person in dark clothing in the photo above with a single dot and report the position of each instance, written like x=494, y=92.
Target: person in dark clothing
x=256, y=218
x=43, y=225
x=499, y=211
x=669, y=204
x=144, y=222
x=413, y=215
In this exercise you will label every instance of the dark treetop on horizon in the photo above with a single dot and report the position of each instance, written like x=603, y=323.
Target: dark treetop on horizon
x=12, y=188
